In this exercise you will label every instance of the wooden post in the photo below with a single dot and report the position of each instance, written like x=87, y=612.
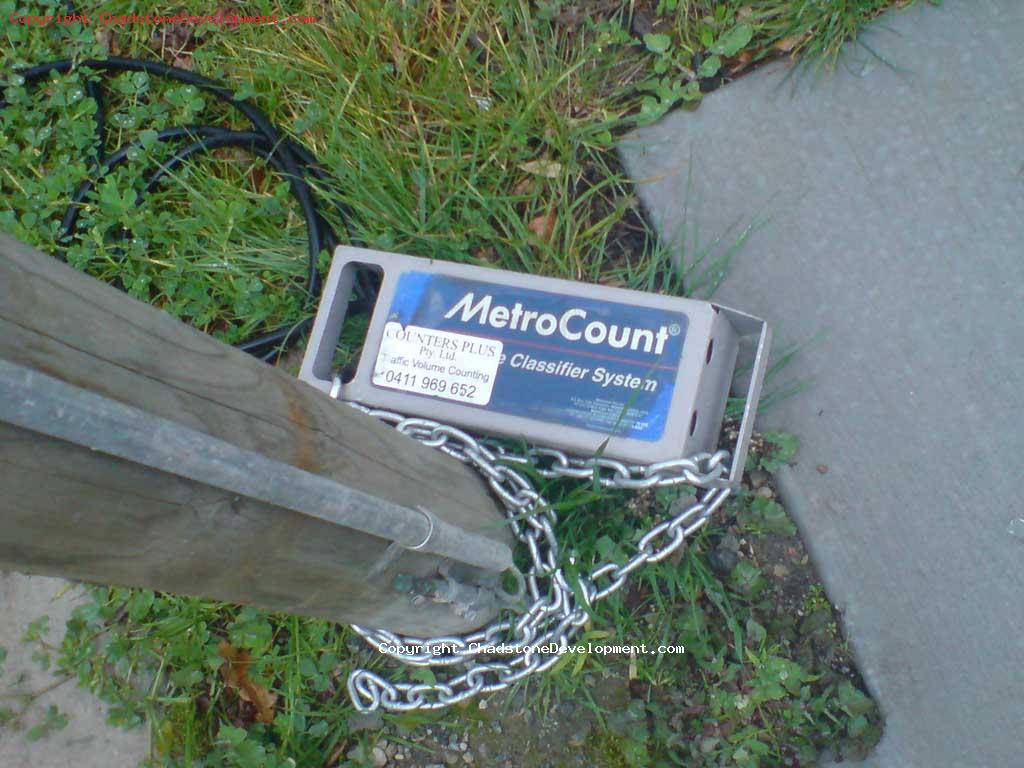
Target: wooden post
x=135, y=450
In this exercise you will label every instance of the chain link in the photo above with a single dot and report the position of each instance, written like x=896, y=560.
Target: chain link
x=540, y=636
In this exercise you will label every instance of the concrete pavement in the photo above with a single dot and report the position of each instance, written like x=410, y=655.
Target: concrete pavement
x=891, y=196
x=87, y=741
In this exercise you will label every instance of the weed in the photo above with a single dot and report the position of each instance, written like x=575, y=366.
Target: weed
x=53, y=720
x=771, y=451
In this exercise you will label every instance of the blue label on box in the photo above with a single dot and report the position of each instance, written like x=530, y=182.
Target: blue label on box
x=581, y=362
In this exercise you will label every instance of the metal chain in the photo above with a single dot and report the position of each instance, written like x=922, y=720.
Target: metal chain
x=541, y=634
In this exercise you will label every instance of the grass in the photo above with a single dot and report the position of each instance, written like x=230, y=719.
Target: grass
x=460, y=132
x=479, y=132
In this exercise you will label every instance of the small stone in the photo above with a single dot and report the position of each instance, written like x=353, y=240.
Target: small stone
x=482, y=704
x=451, y=758
x=708, y=743
x=496, y=726
x=722, y=561
x=765, y=492
x=780, y=571
x=579, y=737
x=380, y=759
x=467, y=757
x=822, y=469
x=366, y=721
x=463, y=746
x=758, y=478
x=681, y=504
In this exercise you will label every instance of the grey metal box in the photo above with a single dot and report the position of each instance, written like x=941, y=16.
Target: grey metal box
x=645, y=380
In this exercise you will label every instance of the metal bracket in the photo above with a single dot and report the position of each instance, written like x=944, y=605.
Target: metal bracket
x=748, y=325
x=450, y=587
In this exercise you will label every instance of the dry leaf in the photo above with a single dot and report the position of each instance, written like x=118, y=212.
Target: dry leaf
x=787, y=44
x=235, y=671
x=256, y=171
x=176, y=36
x=484, y=254
x=108, y=41
x=523, y=186
x=543, y=226
x=739, y=63
x=398, y=55
x=547, y=168
x=175, y=41
x=571, y=16
x=183, y=62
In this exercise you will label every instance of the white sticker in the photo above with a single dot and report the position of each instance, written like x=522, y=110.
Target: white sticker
x=452, y=366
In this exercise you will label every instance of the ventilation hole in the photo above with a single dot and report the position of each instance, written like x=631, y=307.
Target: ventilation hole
x=361, y=304
x=348, y=371
x=693, y=423
x=711, y=351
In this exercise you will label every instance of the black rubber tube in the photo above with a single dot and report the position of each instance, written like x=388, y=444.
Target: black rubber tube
x=288, y=157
